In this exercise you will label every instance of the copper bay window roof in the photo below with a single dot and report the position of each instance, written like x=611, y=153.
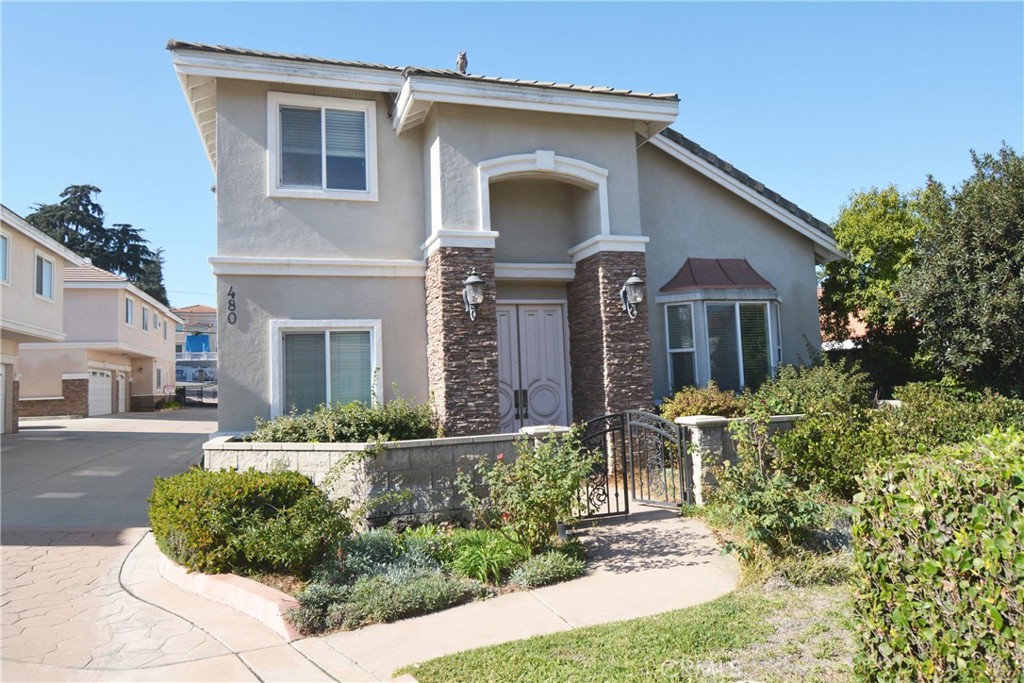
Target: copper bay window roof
x=715, y=273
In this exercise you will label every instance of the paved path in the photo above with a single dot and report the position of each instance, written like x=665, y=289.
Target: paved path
x=83, y=601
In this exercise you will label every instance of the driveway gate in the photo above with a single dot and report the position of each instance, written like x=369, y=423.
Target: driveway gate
x=644, y=461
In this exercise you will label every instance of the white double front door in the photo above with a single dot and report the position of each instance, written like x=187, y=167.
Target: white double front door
x=532, y=384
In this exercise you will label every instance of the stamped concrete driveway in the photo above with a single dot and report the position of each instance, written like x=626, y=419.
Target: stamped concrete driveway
x=73, y=506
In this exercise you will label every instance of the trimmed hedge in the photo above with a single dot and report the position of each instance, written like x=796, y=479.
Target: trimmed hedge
x=228, y=521
x=939, y=553
x=396, y=420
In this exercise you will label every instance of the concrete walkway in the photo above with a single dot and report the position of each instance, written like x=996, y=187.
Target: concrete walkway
x=88, y=604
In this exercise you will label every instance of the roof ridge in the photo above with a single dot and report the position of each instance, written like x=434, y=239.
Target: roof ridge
x=406, y=71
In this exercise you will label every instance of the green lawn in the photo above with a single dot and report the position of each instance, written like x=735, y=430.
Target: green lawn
x=793, y=634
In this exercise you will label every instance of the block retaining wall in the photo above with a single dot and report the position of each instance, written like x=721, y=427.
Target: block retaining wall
x=426, y=468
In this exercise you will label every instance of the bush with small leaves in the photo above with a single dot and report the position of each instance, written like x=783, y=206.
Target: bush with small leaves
x=547, y=568
x=709, y=400
x=831, y=387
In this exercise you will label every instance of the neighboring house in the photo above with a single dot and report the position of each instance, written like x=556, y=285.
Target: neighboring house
x=195, y=344
x=856, y=330
x=354, y=200
x=118, y=355
x=31, y=301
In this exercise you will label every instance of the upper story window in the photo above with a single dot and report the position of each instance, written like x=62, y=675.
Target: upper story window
x=4, y=261
x=145, y=318
x=321, y=147
x=129, y=312
x=165, y=330
x=44, y=277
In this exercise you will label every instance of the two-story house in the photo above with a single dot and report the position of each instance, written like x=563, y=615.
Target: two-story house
x=195, y=344
x=519, y=252
x=118, y=355
x=32, y=269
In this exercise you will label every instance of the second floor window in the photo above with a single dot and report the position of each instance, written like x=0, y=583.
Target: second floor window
x=322, y=147
x=145, y=318
x=3, y=259
x=44, y=277
x=129, y=312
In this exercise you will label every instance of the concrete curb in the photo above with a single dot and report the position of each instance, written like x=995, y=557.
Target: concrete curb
x=263, y=603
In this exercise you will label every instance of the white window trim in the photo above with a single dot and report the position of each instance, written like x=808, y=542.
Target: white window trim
x=275, y=100
x=773, y=359
x=35, y=275
x=668, y=343
x=278, y=328
x=6, y=280
x=129, y=311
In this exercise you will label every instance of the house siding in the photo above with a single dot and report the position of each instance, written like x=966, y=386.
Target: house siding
x=687, y=215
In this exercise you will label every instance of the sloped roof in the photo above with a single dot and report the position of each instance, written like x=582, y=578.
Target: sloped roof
x=196, y=308
x=415, y=70
x=90, y=273
x=715, y=273
x=756, y=185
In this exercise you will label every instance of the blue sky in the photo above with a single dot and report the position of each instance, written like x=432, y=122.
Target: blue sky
x=814, y=99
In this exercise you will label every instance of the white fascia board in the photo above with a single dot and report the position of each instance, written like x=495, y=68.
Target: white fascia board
x=29, y=329
x=419, y=89
x=206, y=132
x=38, y=236
x=825, y=246
x=599, y=243
x=315, y=267
x=555, y=272
x=719, y=294
x=250, y=68
x=132, y=289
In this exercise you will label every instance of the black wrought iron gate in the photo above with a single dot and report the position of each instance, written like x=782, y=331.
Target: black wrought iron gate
x=643, y=459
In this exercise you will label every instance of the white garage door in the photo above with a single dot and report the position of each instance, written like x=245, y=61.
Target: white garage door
x=100, y=392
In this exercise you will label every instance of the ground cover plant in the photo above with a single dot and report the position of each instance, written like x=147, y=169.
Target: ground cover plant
x=382, y=575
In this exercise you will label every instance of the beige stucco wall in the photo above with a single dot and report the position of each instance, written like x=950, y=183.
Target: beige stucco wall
x=537, y=220
x=245, y=383
x=97, y=315
x=42, y=370
x=686, y=215
x=249, y=223
x=18, y=301
x=471, y=134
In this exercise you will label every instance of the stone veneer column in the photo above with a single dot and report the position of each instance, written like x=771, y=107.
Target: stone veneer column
x=609, y=352
x=462, y=354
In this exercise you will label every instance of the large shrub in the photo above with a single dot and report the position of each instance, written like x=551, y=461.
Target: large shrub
x=939, y=550
x=220, y=521
x=396, y=420
x=833, y=387
x=709, y=400
x=527, y=498
x=935, y=414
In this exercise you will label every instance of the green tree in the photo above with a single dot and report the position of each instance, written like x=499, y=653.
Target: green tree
x=76, y=221
x=152, y=279
x=967, y=285
x=878, y=228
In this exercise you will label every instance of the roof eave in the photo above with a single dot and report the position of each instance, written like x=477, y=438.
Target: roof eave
x=825, y=247
x=420, y=92
x=38, y=236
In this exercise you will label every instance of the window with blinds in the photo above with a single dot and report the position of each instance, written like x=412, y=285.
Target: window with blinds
x=681, y=350
x=322, y=147
x=327, y=367
x=739, y=344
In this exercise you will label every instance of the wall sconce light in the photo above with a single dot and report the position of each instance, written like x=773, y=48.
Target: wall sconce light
x=631, y=294
x=472, y=293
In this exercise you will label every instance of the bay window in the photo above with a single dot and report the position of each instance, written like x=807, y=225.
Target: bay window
x=682, y=353
x=740, y=347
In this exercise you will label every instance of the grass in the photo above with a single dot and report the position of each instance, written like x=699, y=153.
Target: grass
x=786, y=635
